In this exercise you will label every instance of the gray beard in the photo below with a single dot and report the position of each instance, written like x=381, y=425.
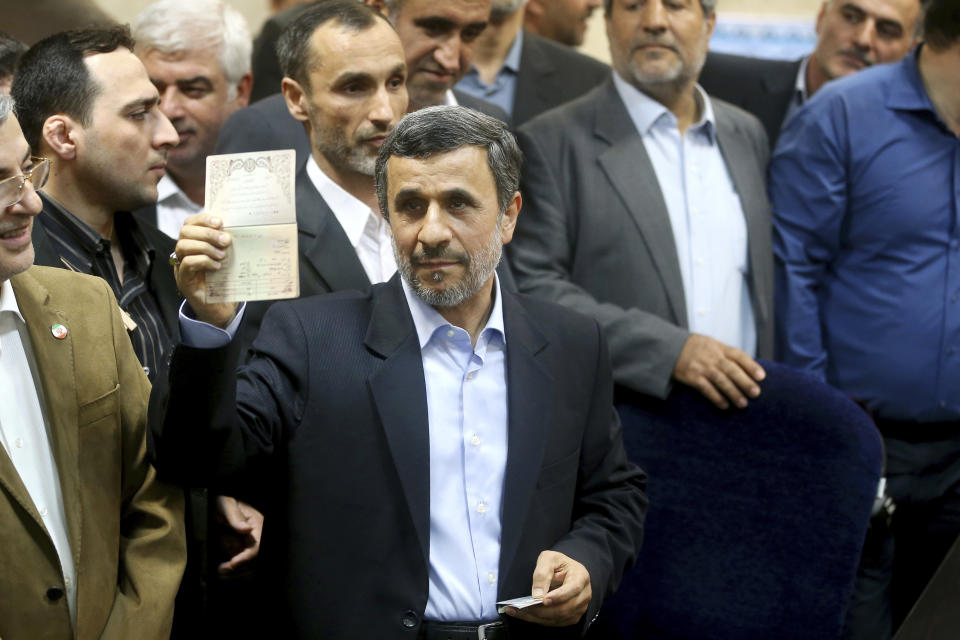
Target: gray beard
x=478, y=271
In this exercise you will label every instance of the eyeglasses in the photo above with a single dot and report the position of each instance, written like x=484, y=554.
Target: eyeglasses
x=11, y=189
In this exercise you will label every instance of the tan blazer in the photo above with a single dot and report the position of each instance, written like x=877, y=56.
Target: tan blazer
x=125, y=528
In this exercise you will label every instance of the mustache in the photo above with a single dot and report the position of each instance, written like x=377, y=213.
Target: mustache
x=439, y=253
x=859, y=55
x=669, y=43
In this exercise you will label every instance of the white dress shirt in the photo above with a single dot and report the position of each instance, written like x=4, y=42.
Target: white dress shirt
x=467, y=413
x=368, y=232
x=24, y=433
x=173, y=207
x=706, y=216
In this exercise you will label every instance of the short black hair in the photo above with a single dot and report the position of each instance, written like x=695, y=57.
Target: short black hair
x=941, y=23
x=53, y=78
x=445, y=128
x=293, y=46
x=10, y=51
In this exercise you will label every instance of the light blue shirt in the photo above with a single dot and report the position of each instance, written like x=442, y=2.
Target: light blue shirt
x=504, y=86
x=709, y=229
x=467, y=411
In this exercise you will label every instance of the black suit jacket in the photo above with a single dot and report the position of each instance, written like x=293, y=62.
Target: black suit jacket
x=761, y=87
x=333, y=410
x=551, y=74
x=160, y=281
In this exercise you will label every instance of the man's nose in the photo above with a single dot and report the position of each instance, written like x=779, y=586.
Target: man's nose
x=165, y=135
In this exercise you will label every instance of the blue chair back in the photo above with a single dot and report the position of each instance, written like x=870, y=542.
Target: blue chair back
x=757, y=516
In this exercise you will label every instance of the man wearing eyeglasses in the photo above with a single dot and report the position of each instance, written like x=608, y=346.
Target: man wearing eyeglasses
x=86, y=103
x=91, y=545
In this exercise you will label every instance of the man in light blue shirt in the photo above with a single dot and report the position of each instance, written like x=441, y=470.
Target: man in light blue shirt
x=437, y=443
x=646, y=209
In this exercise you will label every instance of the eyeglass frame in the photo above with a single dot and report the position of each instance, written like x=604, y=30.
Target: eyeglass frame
x=38, y=162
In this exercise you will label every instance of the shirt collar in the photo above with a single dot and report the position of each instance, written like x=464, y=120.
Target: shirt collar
x=907, y=91
x=87, y=238
x=351, y=213
x=512, y=61
x=167, y=189
x=800, y=87
x=428, y=320
x=8, y=303
x=8, y=300
x=646, y=112
x=450, y=99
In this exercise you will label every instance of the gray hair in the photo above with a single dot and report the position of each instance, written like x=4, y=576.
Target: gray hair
x=6, y=107
x=176, y=26
x=708, y=6
x=441, y=129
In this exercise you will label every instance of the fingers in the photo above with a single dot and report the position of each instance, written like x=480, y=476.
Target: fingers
x=235, y=518
x=566, y=598
x=723, y=374
x=543, y=573
x=248, y=554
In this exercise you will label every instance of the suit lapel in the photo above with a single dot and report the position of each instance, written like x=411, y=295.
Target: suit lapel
x=739, y=157
x=57, y=374
x=400, y=397
x=530, y=391
x=628, y=167
x=324, y=246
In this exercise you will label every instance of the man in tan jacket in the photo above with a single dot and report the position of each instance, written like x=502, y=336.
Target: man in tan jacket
x=91, y=545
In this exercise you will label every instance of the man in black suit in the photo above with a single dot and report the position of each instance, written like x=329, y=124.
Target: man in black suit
x=432, y=448
x=523, y=73
x=437, y=39
x=347, y=105
x=851, y=35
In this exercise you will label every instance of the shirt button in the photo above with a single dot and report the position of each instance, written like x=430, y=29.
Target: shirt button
x=470, y=376
x=491, y=578
x=410, y=619
x=475, y=440
x=450, y=333
x=700, y=262
x=18, y=443
x=66, y=581
x=43, y=512
x=702, y=312
x=482, y=508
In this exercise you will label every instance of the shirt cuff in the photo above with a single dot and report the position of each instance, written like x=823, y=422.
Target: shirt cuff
x=203, y=335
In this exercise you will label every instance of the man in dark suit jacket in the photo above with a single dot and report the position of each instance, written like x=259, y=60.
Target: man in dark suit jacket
x=266, y=125
x=606, y=230
x=347, y=405
x=338, y=215
x=851, y=35
x=523, y=73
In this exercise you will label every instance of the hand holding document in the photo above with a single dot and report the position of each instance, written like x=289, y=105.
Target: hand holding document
x=253, y=193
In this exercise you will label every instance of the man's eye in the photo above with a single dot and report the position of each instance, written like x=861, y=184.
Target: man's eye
x=195, y=93
x=471, y=34
x=138, y=115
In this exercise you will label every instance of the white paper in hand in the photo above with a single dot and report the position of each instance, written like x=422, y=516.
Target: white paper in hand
x=254, y=195
x=518, y=603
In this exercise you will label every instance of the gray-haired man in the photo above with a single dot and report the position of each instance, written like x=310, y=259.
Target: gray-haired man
x=429, y=433
x=197, y=53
